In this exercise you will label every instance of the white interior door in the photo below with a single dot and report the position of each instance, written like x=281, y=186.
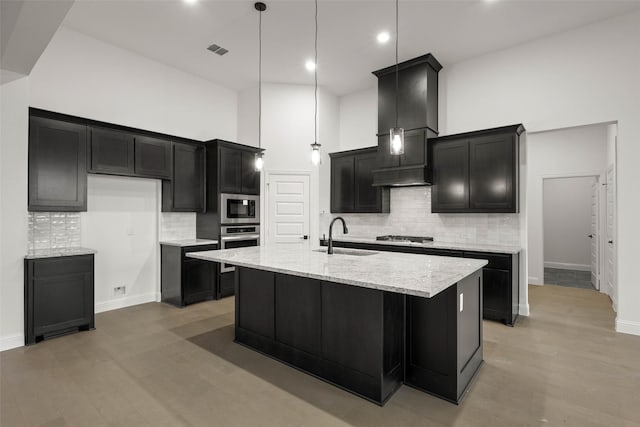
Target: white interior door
x=288, y=212
x=610, y=249
x=595, y=235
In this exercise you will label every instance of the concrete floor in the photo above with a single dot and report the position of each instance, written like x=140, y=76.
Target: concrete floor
x=156, y=365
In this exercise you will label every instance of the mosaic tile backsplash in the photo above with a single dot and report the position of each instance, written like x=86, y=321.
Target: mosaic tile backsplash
x=177, y=225
x=53, y=230
x=411, y=216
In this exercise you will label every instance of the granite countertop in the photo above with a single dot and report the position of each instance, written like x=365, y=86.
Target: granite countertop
x=419, y=275
x=476, y=247
x=57, y=252
x=188, y=242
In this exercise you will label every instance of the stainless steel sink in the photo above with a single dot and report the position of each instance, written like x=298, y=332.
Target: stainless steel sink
x=340, y=251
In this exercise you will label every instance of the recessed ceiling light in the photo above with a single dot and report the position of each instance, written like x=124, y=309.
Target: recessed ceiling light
x=383, y=37
x=190, y=1
x=310, y=65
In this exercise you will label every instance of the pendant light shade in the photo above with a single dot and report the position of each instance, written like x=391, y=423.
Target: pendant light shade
x=396, y=134
x=316, y=157
x=259, y=157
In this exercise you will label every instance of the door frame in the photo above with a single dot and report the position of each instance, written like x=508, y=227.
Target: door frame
x=600, y=178
x=265, y=201
x=614, y=247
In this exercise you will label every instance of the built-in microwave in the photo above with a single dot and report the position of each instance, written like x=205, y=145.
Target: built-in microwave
x=239, y=209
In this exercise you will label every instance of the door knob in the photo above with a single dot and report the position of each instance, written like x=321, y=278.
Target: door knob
x=590, y=236
x=610, y=241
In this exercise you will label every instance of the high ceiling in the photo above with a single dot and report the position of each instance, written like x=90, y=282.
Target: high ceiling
x=177, y=34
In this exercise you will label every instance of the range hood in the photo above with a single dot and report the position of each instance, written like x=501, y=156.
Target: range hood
x=417, y=113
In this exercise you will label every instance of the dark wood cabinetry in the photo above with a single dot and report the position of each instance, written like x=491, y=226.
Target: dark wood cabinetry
x=409, y=168
x=187, y=280
x=58, y=296
x=237, y=170
x=57, y=165
x=152, y=157
x=476, y=172
x=110, y=151
x=185, y=191
x=501, y=280
x=352, y=189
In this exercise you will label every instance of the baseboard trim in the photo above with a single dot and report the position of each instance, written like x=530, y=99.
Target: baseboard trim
x=534, y=280
x=11, y=341
x=567, y=266
x=523, y=310
x=627, y=327
x=126, y=302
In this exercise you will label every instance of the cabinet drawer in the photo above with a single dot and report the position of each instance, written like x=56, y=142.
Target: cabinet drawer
x=62, y=265
x=497, y=261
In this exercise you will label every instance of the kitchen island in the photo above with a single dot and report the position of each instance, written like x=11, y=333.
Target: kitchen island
x=365, y=321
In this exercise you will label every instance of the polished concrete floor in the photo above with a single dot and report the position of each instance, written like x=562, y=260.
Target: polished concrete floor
x=155, y=365
x=570, y=278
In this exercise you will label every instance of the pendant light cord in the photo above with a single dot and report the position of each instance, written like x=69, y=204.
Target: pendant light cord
x=315, y=95
x=260, y=81
x=396, y=64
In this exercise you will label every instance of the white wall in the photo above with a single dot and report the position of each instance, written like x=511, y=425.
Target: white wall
x=588, y=75
x=567, y=222
x=288, y=131
x=580, y=151
x=82, y=76
x=121, y=223
x=14, y=123
x=359, y=119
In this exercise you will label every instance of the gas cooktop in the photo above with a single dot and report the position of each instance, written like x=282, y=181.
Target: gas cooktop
x=412, y=239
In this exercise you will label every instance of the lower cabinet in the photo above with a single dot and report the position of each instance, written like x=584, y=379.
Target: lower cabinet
x=186, y=280
x=58, y=296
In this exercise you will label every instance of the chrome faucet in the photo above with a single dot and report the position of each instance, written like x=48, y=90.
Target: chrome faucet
x=345, y=230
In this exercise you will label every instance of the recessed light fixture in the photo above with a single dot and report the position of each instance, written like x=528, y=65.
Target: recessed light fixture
x=310, y=65
x=383, y=37
x=190, y=1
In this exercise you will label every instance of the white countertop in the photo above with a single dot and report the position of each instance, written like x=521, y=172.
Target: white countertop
x=475, y=247
x=189, y=242
x=51, y=252
x=412, y=274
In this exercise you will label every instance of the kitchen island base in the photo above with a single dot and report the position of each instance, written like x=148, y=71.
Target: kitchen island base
x=366, y=341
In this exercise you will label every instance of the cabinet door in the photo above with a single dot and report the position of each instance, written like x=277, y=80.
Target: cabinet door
x=298, y=312
x=110, y=152
x=188, y=178
x=385, y=158
x=57, y=166
x=492, y=173
x=496, y=294
x=450, y=191
x=199, y=280
x=152, y=157
x=415, y=149
x=250, y=177
x=230, y=161
x=342, y=184
x=367, y=197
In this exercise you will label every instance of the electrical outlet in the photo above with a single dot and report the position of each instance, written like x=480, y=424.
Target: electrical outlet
x=120, y=290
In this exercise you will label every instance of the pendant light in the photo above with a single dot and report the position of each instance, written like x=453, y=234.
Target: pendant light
x=396, y=134
x=316, y=157
x=259, y=159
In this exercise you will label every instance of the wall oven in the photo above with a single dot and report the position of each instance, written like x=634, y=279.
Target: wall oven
x=232, y=236
x=239, y=209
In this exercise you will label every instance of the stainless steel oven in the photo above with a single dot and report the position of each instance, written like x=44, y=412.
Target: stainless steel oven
x=239, y=209
x=238, y=236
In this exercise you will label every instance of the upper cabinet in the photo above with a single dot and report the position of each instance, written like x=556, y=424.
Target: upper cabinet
x=237, y=169
x=352, y=189
x=152, y=157
x=110, y=151
x=185, y=191
x=57, y=165
x=417, y=95
x=476, y=172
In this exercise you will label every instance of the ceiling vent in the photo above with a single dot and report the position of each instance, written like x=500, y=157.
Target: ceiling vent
x=217, y=49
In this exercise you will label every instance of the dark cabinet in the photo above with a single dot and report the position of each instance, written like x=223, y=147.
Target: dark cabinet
x=352, y=189
x=185, y=191
x=417, y=95
x=476, y=172
x=110, y=151
x=237, y=171
x=57, y=165
x=152, y=157
x=58, y=296
x=409, y=168
x=186, y=280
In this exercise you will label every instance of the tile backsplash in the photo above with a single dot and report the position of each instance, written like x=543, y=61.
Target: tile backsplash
x=177, y=225
x=53, y=230
x=411, y=215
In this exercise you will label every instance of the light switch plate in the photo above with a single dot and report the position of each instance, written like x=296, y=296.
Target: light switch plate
x=461, y=302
